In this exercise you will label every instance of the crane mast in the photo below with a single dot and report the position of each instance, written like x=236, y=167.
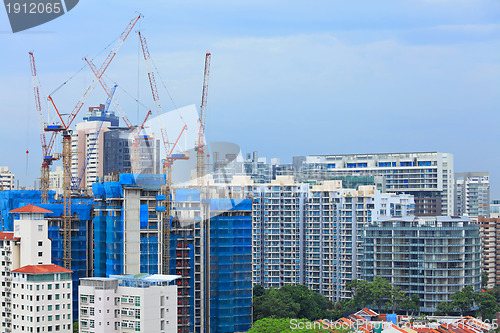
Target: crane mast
x=46, y=147
x=200, y=144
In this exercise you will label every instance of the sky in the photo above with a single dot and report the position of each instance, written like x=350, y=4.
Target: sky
x=287, y=77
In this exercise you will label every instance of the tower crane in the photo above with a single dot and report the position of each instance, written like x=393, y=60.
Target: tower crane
x=47, y=156
x=170, y=157
x=200, y=144
x=135, y=132
x=63, y=128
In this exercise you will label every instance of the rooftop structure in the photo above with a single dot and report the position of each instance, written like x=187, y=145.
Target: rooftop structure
x=124, y=303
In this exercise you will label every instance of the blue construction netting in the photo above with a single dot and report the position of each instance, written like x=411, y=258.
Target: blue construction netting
x=114, y=245
x=231, y=268
x=145, y=181
x=81, y=211
x=13, y=199
x=182, y=194
x=228, y=205
x=149, y=254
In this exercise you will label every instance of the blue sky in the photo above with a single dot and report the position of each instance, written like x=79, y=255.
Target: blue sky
x=287, y=78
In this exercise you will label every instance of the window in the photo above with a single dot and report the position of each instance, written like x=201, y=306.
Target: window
x=40, y=243
x=40, y=254
x=40, y=227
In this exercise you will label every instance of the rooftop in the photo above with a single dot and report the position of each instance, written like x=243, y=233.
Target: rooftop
x=30, y=209
x=8, y=236
x=41, y=269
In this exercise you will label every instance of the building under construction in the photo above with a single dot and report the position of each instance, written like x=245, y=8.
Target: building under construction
x=128, y=240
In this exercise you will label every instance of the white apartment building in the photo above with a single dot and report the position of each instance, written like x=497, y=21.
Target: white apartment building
x=41, y=299
x=31, y=287
x=6, y=179
x=428, y=176
x=123, y=303
x=472, y=196
x=56, y=180
x=88, y=150
x=312, y=235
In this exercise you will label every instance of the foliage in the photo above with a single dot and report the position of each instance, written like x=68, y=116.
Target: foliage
x=284, y=325
x=75, y=327
x=291, y=302
x=488, y=305
x=463, y=301
x=379, y=293
x=484, y=280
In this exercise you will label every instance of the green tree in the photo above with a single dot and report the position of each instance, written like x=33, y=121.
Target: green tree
x=463, y=300
x=444, y=308
x=360, y=294
x=291, y=301
x=75, y=327
x=487, y=304
x=484, y=280
x=378, y=292
x=397, y=298
x=284, y=325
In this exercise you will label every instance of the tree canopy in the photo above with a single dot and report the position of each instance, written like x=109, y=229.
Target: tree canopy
x=381, y=295
x=291, y=301
x=285, y=325
x=464, y=301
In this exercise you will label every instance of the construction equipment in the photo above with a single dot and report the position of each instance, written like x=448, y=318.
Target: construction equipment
x=63, y=128
x=94, y=142
x=200, y=144
x=135, y=132
x=170, y=157
x=48, y=158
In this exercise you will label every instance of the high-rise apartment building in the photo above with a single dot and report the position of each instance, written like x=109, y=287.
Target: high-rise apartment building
x=431, y=257
x=88, y=145
x=36, y=294
x=472, y=194
x=489, y=229
x=428, y=176
x=146, y=303
x=312, y=234
x=6, y=179
x=100, y=147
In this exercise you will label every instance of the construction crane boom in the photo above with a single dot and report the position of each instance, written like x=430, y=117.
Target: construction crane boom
x=200, y=145
x=66, y=133
x=47, y=157
x=154, y=91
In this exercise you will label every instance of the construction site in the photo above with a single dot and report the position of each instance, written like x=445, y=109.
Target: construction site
x=116, y=209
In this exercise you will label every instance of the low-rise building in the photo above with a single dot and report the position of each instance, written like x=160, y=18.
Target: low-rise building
x=124, y=303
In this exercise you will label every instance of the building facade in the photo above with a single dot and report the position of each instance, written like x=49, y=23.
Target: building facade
x=146, y=303
x=428, y=176
x=489, y=229
x=311, y=235
x=7, y=181
x=472, y=194
x=432, y=257
x=32, y=288
x=42, y=299
x=100, y=147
